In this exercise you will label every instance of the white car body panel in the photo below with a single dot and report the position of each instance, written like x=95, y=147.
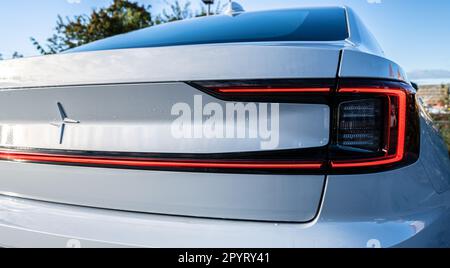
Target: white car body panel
x=29, y=118
x=45, y=205
x=138, y=65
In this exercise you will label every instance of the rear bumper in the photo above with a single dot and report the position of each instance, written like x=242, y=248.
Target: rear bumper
x=26, y=223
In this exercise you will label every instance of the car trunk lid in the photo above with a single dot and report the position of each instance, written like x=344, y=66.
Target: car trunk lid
x=88, y=107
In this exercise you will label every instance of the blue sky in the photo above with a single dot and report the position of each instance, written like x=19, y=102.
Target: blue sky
x=415, y=33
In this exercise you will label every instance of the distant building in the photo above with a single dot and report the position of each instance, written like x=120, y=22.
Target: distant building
x=434, y=95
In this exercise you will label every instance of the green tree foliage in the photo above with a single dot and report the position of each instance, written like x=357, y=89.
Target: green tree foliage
x=121, y=16
x=442, y=122
x=445, y=130
x=176, y=11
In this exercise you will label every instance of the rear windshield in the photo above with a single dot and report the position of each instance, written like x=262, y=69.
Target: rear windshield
x=319, y=24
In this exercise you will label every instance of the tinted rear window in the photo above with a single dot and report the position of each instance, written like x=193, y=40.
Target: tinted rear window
x=319, y=24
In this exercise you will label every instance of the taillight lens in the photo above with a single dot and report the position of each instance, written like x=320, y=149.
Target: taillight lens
x=375, y=123
x=360, y=125
x=373, y=126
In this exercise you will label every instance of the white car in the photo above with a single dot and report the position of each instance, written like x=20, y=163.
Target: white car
x=280, y=128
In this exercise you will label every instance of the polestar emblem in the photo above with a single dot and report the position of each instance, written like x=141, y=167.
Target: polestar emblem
x=64, y=120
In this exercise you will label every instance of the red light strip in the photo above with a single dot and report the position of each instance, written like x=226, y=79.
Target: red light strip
x=155, y=163
x=274, y=90
x=400, y=151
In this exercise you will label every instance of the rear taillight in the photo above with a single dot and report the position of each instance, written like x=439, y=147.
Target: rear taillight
x=375, y=123
x=373, y=126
